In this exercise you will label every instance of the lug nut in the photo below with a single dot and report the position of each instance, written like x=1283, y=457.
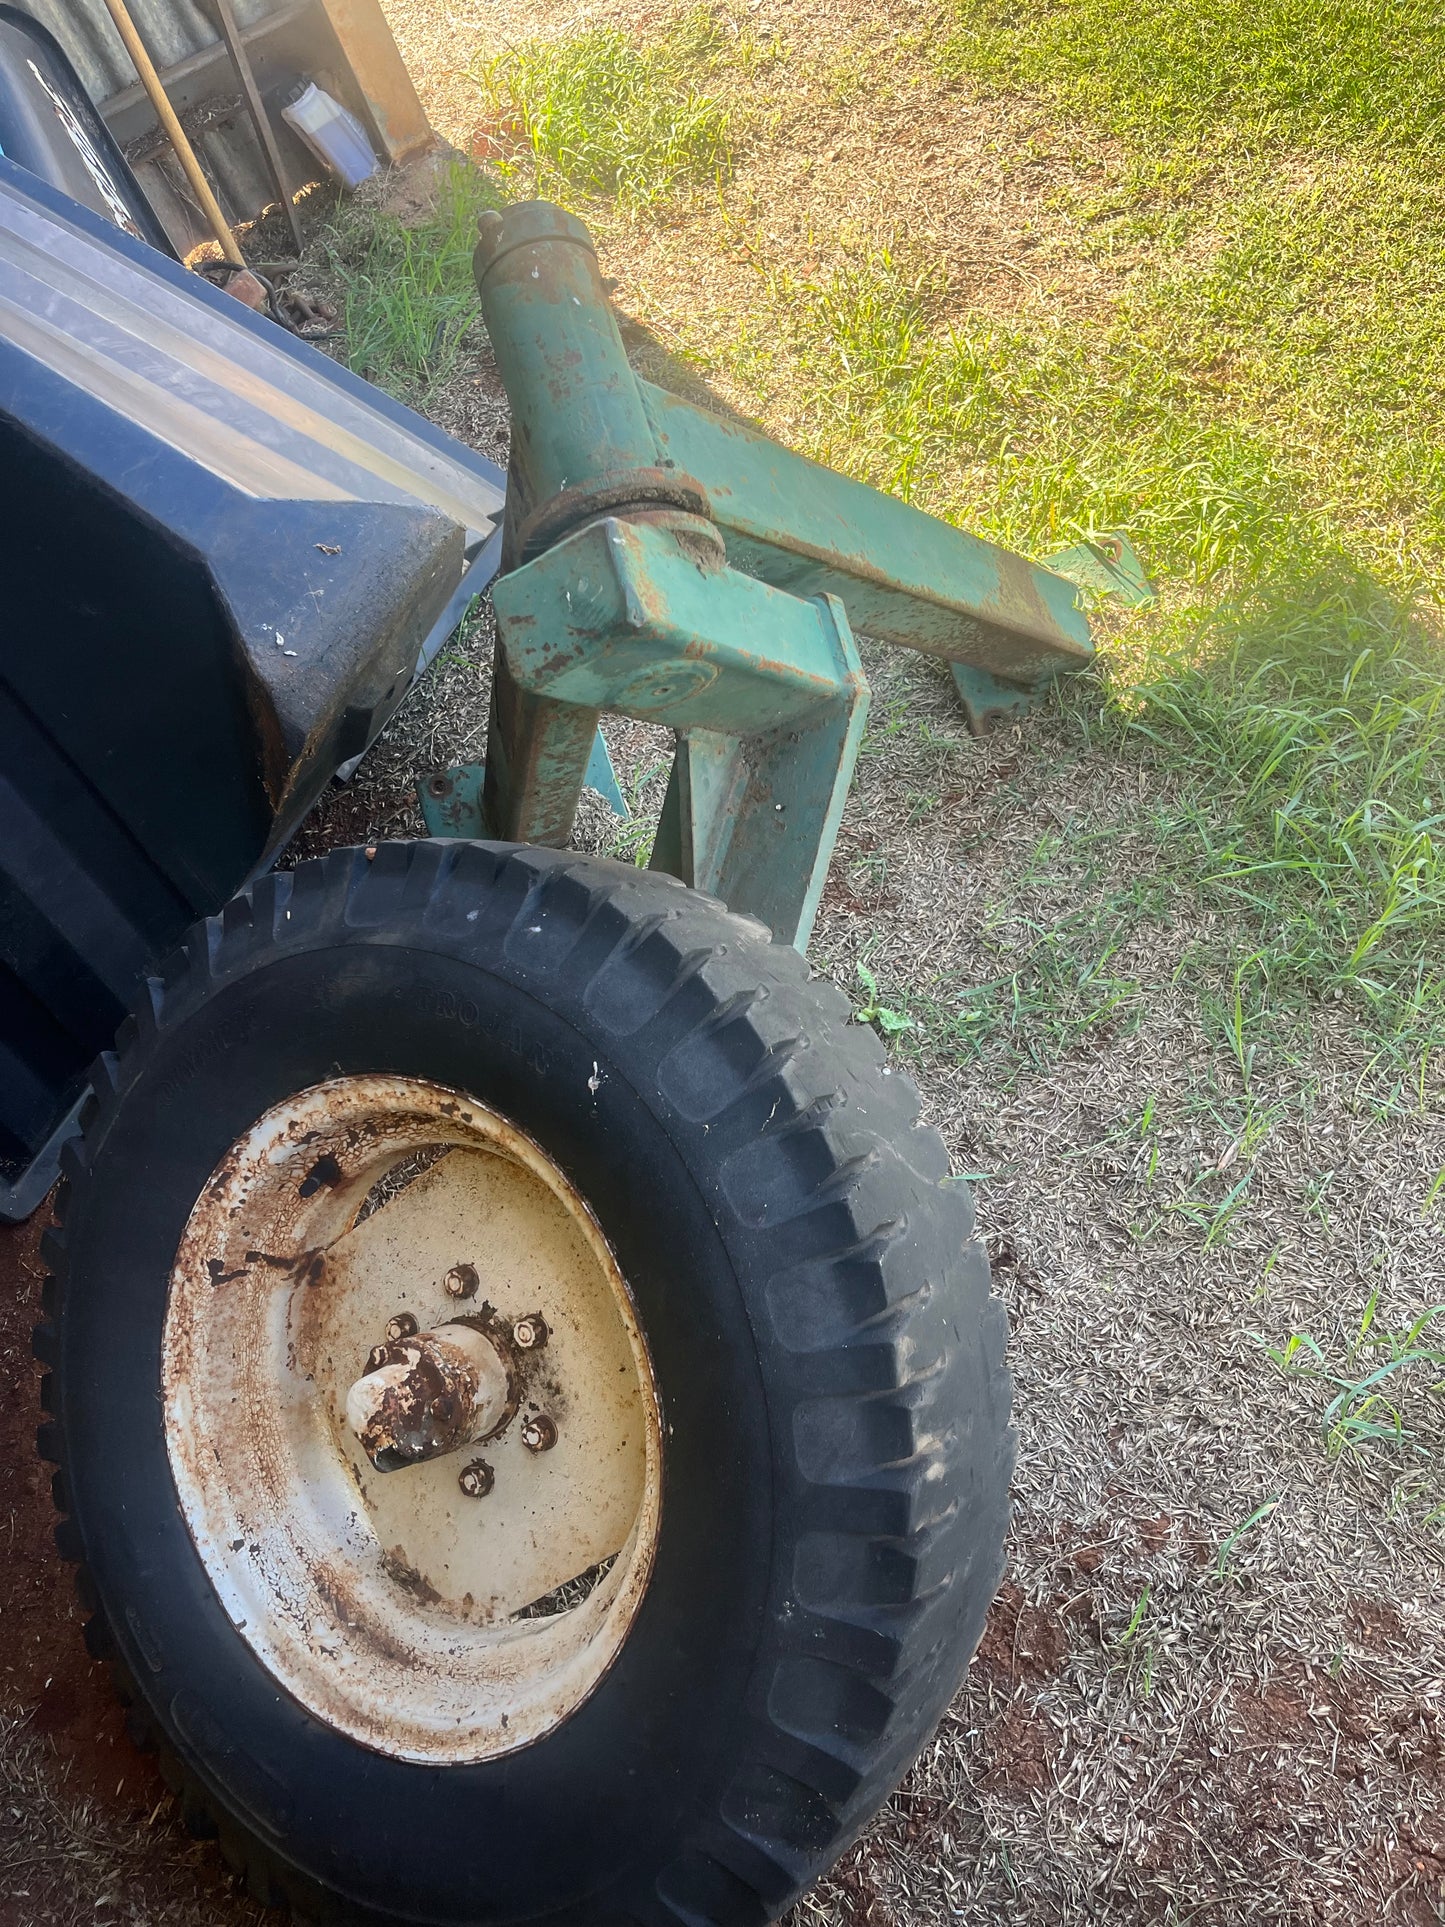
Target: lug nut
x=539, y=1433
x=529, y=1333
x=402, y=1326
x=461, y=1282
x=476, y=1479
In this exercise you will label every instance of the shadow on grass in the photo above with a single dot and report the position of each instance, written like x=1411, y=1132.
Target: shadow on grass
x=651, y=358
x=1303, y=726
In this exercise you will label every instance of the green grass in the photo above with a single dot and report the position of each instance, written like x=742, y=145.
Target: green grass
x=1029, y=437
x=1060, y=992
x=1288, y=69
x=1258, y=407
x=410, y=298
x=1324, y=822
x=1378, y=1379
x=1280, y=168
x=1261, y=414
x=603, y=115
x=1288, y=689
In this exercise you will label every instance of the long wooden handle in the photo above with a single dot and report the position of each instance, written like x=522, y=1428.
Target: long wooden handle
x=175, y=133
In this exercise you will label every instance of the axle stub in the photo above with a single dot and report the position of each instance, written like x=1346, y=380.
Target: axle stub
x=433, y=1391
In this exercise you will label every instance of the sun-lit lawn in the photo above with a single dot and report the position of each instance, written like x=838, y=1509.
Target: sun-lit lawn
x=1256, y=406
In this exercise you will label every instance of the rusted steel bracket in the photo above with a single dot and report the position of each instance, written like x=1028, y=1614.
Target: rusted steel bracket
x=669, y=563
x=1108, y=563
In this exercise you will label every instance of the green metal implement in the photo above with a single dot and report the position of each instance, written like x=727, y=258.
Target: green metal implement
x=667, y=563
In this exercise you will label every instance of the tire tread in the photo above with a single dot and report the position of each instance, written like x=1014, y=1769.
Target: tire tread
x=881, y=1597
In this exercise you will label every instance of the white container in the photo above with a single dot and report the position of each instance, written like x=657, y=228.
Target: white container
x=336, y=137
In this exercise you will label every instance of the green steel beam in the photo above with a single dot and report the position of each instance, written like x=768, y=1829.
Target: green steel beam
x=905, y=577
x=668, y=563
x=765, y=689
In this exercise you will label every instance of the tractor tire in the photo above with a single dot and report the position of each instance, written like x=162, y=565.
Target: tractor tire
x=662, y=1158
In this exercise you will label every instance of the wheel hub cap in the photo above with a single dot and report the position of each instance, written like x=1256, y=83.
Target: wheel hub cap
x=426, y=1394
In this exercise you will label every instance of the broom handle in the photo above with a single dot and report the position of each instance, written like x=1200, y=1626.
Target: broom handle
x=175, y=133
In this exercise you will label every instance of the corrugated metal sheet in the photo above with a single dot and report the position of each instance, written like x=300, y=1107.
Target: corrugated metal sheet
x=284, y=37
x=171, y=29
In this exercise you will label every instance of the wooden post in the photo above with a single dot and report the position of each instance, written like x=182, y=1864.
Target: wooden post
x=175, y=133
x=381, y=75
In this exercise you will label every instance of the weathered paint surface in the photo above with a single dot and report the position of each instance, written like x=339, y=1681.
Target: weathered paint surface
x=766, y=690
x=392, y=102
x=395, y=1605
x=670, y=564
x=1106, y=562
x=451, y=799
x=903, y=576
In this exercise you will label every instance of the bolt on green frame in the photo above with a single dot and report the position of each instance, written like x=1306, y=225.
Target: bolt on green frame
x=667, y=563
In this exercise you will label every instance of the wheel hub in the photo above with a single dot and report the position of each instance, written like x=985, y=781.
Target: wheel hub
x=345, y=1330
x=425, y=1395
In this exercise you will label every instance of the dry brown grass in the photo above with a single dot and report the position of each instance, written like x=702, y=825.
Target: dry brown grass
x=848, y=139
x=1265, y=1746
x=69, y=1860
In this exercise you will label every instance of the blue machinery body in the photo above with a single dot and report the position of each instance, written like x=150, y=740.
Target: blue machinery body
x=224, y=558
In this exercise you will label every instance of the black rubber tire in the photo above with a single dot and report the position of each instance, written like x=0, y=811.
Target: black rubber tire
x=830, y=1360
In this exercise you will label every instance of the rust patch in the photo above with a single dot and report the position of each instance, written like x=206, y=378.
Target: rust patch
x=338, y=1596
x=430, y=1391
x=399, y=1568
x=1018, y=604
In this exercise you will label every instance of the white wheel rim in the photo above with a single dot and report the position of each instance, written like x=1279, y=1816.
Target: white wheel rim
x=426, y=1623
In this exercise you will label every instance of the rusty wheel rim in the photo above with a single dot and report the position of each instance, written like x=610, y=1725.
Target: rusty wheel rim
x=463, y=1604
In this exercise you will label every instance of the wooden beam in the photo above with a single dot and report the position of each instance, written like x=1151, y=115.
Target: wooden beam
x=381, y=77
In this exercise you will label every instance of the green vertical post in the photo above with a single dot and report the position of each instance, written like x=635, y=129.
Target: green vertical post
x=577, y=415
x=581, y=443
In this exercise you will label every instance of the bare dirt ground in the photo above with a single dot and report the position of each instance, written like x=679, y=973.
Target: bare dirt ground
x=88, y=1832
x=1165, y=1723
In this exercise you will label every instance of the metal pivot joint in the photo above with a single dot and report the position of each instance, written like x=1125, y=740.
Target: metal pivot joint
x=672, y=564
x=622, y=599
